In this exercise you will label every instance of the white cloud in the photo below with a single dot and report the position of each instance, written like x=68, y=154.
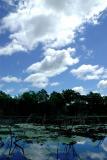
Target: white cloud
x=54, y=84
x=9, y=91
x=94, y=155
x=89, y=72
x=53, y=23
x=80, y=89
x=11, y=79
x=82, y=39
x=38, y=80
x=11, y=48
x=104, y=76
x=104, y=145
x=54, y=63
x=22, y=90
x=102, y=84
x=40, y=152
x=88, y=52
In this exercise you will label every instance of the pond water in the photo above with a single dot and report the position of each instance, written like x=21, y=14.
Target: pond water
x=35, y=142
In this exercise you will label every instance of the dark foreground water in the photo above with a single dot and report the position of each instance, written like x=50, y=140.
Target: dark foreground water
x=34, y=142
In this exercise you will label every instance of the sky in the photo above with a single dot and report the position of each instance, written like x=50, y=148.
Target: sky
x=53, y=45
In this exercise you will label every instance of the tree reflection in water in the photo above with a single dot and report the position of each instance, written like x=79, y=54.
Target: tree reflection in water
x=14, y=147
x=71, y=151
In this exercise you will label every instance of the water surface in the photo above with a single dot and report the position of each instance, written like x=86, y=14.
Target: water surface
x=36, y=142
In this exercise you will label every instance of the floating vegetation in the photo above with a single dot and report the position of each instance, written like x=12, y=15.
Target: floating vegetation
x=27, y=141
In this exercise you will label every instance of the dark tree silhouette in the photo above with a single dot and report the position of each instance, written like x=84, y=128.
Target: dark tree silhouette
x=41, y=103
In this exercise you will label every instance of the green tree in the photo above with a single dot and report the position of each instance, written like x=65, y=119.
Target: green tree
x=42, y=96
x=95, y=102
x=57, y=102
x=5, y=103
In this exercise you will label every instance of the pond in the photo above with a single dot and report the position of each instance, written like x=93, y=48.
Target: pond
x=50, y=142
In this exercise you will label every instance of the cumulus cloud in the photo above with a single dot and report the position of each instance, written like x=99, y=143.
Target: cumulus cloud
x=53, y=23
x=38, y=80
x=104, y=145
x=22, y=90
x=89, y=72
x=89, y=53
x=82, y=39
x=102, y=84
x=14, y=46
x=80, y=89
x=94, y=155
x=54, y=63
x=9, y=91
x=54, y=84
x=37, y=151
x=11, y=79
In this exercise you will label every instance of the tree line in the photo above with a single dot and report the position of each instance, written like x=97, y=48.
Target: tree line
x=68, y=102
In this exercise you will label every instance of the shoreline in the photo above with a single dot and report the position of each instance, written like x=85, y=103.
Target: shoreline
x=67, y=120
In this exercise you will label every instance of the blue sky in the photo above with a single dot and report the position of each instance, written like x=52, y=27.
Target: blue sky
x=53, y=45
